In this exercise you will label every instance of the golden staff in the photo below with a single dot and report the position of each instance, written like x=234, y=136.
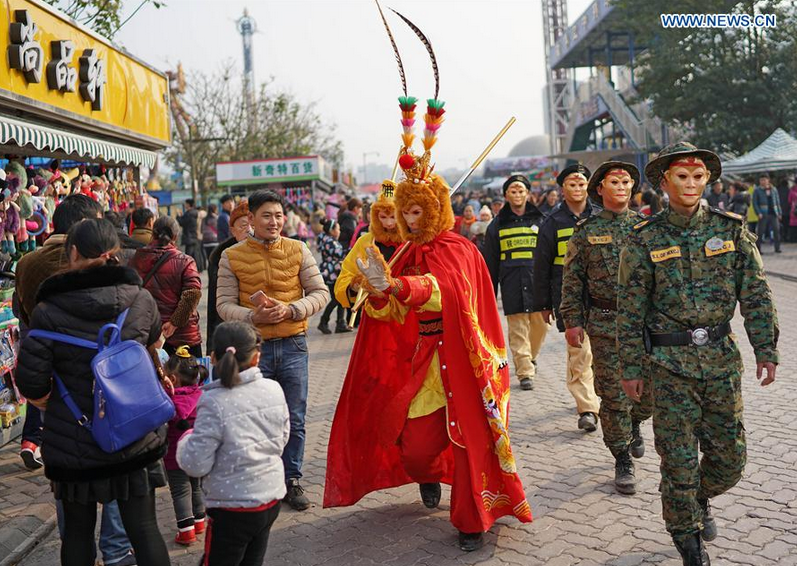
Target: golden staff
x=361, y=293
x=481, y=158
x=361, y=297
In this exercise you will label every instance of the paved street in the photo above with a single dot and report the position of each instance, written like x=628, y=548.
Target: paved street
x=579, y=519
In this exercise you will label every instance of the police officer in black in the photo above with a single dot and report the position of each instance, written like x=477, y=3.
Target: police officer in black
x=548, y=264
x=510, y=246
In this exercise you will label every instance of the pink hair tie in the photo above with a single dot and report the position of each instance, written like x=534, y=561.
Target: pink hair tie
x=231, y=349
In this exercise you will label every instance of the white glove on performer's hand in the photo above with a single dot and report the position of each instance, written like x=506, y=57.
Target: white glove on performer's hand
x=374, y=270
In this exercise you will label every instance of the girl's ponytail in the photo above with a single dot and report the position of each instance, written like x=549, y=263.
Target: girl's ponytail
x=226, y=369
x=234, y=346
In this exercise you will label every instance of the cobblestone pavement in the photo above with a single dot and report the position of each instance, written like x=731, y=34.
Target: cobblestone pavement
x=579, y=519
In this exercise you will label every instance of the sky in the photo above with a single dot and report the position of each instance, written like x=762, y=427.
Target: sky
x=337, y=55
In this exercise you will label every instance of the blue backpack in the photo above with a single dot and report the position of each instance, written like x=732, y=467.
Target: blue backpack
x=129, y=401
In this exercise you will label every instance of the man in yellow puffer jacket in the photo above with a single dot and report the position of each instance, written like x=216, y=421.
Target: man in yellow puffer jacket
x=293, y=290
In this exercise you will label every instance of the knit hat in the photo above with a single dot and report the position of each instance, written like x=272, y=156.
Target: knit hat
x=239, y=211
x=516, y=179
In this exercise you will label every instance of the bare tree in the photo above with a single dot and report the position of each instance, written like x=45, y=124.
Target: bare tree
x=220, y=129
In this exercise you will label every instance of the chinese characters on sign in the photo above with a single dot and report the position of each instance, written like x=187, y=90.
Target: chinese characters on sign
x=283, y=169
x=60, y=76
x=26, y=55
x=92, y=79
x=266, y=171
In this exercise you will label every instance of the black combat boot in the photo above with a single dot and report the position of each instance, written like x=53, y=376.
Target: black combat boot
x=341, y=327
x=430, y=494
x=709, y=530
x=624, y=479
x=324, y=327
x=637, y=442
x=692, y=551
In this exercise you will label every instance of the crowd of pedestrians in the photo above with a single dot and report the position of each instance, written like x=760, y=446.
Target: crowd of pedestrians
x=264, y=283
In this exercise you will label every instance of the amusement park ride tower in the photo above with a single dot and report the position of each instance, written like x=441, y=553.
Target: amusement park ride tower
x=247, y=27
x=554, y=18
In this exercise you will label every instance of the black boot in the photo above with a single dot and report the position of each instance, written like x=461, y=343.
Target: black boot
x=709, y=530
x=637, y=442
x=324, y=327
x=430, y=494
x=341, y=328
x=624, y=479
x=470, y=541
x=588, y=422
x=692, y=551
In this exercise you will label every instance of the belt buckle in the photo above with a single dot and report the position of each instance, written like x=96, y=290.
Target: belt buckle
x=700, y=336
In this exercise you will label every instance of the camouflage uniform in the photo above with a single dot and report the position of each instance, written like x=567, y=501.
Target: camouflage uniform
x=679, y=273
x=591, y=264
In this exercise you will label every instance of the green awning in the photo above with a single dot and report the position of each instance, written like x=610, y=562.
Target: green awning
x=45, y=138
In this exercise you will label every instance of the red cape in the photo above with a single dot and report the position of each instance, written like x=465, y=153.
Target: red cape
x=380, y=384
x=361, y=456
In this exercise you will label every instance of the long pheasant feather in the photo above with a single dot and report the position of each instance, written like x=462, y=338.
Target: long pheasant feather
x=428, y=46
x=395, y=49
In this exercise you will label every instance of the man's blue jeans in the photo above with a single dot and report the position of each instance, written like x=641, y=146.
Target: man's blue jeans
x=114, y=544
x=285, y=361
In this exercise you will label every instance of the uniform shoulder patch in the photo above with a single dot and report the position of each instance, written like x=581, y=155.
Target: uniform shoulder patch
x=726, y=214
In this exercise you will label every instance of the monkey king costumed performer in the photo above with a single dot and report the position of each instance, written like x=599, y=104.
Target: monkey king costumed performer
x=353, y=471
x=383, y=233
x=441, y=416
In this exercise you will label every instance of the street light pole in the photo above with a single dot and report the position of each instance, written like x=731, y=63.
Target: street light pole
x=194, y=181
x=365, y=155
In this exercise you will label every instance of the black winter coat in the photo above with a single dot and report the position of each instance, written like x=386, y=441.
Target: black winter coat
x=189, y=222
x=79, y=303
x=548, y=273
x=514, y=275
x=348, y=226
x=739, y=204
x=213, y=285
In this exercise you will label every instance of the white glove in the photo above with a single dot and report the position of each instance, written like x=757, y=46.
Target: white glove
x=374, y=270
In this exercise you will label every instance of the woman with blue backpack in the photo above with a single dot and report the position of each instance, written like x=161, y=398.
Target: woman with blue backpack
x=66, y=368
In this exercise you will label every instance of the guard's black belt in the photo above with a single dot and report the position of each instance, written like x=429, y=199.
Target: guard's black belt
x=697, y=336
x=604, y=304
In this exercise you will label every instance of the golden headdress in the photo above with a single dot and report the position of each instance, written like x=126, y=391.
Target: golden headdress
x=420, y=186
x=385, y=204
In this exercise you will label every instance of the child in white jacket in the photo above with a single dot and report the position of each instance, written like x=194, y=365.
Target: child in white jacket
x=241, y=428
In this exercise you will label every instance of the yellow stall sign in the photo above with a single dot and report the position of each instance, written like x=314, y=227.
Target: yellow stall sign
x=54, y=68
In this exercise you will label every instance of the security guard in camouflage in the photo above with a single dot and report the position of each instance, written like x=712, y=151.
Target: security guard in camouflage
x=681, y=275
x=589, y=300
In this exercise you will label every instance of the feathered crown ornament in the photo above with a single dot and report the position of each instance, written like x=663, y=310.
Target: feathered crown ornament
x=420, y=186
x=416, y=168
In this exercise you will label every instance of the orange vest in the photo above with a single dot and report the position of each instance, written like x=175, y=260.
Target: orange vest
x=273, y=269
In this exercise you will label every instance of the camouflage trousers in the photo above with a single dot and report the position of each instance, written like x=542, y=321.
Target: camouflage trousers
x=702, y=409
x=617, y=411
